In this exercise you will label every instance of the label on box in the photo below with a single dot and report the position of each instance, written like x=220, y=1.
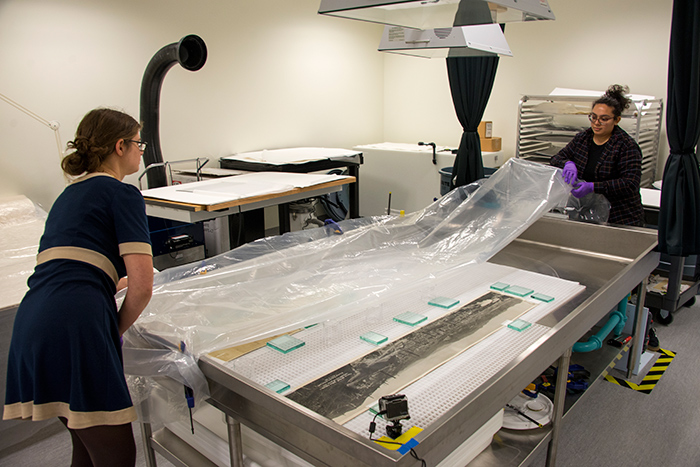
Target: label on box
x=485, y=129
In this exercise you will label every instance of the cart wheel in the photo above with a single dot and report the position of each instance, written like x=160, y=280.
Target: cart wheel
x=661, y=319
x=690, y=302
x=654, y=312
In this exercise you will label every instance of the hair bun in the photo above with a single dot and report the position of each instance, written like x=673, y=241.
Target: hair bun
x=95, y=139
x=81, y=144
x=617, y=92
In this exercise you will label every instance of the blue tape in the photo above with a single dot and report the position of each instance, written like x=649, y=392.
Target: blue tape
x=410, y=444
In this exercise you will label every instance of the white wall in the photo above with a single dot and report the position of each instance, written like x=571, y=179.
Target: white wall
x=592, y=44
x=280, y=75
x=277, y=75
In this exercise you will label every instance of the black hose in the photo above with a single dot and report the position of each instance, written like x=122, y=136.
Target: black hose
x=191, y=53
x=421, y=143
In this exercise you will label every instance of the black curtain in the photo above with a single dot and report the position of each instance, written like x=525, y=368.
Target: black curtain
x=471, y=80
x=679, y=222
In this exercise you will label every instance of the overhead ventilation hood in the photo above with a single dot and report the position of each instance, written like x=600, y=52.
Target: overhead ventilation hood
x=430, y=14
x=441, y=28
x=460, y=41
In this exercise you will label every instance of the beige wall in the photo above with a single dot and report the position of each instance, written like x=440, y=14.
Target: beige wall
x=280, y=75
x=277, y=75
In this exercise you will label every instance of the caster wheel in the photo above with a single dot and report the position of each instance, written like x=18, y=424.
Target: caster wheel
x=654, y=313
x=690, y=302
x=665, y=320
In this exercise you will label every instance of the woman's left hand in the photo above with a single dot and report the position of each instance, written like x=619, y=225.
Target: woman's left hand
x=582, y=188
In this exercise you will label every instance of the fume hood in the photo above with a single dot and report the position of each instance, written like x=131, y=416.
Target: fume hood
x=441, y=28
x=461, y=41
x=421, y=14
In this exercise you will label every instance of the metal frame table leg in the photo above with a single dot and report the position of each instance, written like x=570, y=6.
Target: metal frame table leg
x=559, y=398
x=638, y=340
x=675, y=277
x=234, y=441
x=148, y=451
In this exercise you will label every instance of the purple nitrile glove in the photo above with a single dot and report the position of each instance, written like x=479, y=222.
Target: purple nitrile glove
x=582, y=188
x=569, y=172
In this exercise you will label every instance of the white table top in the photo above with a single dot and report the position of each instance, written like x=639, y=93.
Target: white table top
x=651, y=197
x=208, y=199
x=222, y=190
x=291, y=155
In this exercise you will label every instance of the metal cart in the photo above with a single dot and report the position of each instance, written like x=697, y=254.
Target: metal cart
x=682, y=276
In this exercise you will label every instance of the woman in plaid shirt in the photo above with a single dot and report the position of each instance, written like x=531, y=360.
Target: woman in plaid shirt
x=605, y=159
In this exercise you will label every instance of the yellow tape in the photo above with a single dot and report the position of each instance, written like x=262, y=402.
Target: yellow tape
x=651, y=379
x=390, y=444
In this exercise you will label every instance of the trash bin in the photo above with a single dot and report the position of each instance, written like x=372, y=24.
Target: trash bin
x=445, y=180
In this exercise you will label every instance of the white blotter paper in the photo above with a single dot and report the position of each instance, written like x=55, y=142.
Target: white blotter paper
x=227, y=189
x=291, y=155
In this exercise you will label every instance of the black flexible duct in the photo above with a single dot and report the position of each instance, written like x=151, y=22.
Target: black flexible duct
x=191, y=53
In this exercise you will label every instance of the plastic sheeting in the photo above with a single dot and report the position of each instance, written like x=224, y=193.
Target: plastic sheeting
x=593, y=208
x=279, y=284
x=287, y=282
x=21, y=226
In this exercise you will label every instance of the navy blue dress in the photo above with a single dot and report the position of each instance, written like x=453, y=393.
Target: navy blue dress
x=65, y=357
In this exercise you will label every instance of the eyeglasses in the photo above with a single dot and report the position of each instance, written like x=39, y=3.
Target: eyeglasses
x=602, y=119
x=141, y=144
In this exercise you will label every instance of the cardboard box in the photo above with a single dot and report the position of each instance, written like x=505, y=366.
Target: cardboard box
x=485, y=130
x=491, y=144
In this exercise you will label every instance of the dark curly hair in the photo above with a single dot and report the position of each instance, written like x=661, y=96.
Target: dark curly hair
x=615, y=98
x=95, y=139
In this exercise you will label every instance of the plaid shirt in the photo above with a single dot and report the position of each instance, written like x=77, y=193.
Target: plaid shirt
x=618, y=173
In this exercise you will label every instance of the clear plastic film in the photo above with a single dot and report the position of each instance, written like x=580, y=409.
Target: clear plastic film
x=279, y=284
x=21, y=224
x=164, y=381
x=593, y=208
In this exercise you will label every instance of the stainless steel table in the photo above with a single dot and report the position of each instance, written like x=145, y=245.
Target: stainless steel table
x=609, y=261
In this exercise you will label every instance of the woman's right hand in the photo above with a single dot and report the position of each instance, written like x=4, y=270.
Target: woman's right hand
x=139, y=270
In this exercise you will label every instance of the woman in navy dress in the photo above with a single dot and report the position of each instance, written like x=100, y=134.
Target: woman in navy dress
x=65, y=356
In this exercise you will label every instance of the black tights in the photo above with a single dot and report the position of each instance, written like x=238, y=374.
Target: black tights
x=103, y=446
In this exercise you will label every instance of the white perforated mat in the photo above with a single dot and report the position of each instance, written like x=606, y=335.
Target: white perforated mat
x=330, y=345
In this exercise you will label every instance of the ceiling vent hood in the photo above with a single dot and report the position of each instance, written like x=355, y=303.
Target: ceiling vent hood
x=459, y=41
x=430, y=14
x=441, y=28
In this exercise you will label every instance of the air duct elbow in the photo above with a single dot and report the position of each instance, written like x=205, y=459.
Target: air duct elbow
x=191, y=53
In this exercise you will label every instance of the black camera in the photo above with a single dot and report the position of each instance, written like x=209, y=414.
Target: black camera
x=394, y=408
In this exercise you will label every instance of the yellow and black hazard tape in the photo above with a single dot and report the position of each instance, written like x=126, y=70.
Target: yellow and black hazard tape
x=649, y=382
